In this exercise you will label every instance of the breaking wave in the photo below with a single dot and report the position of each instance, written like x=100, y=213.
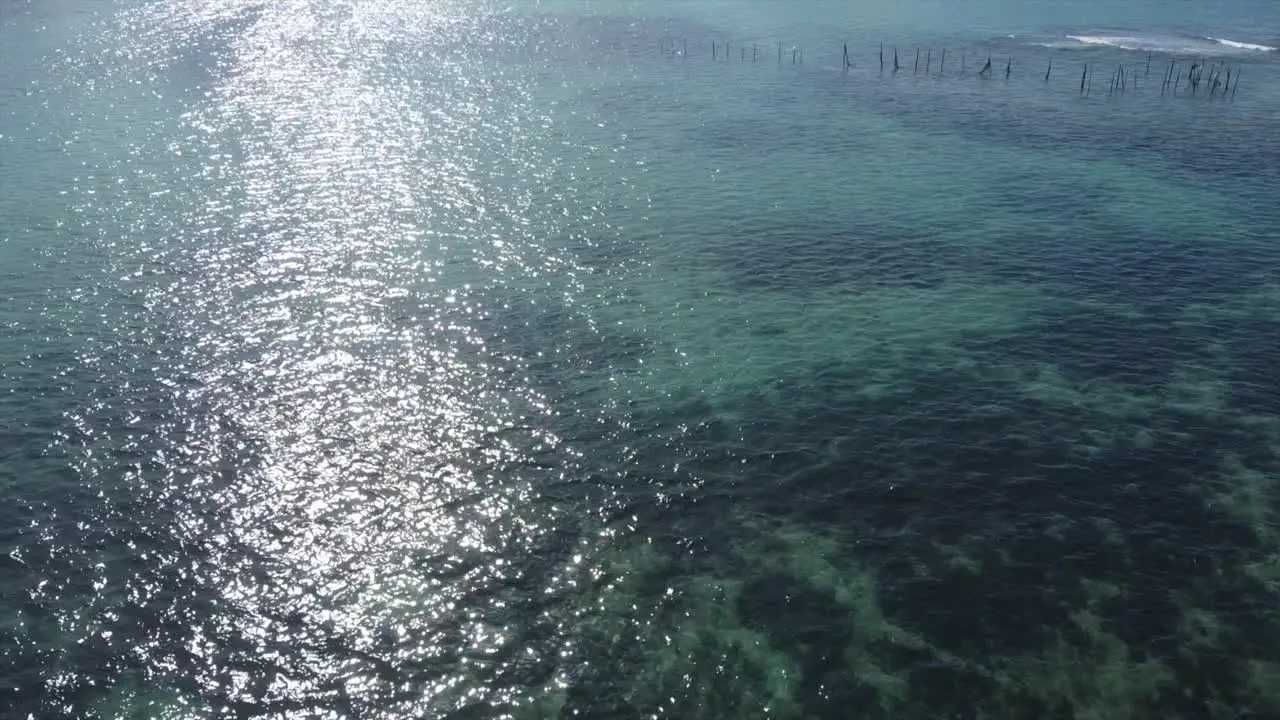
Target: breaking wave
x=1243, y=45
x=1160, y=43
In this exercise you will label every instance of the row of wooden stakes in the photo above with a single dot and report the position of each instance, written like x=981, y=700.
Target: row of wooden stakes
x=1216, y=84
x=1221, y=79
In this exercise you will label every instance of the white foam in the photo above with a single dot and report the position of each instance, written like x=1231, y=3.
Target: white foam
x=1135, y=42
x=1161, y=44
x=1103, y=40
x=1242, y=45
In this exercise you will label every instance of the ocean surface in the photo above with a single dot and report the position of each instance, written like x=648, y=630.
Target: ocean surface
x=478, y=359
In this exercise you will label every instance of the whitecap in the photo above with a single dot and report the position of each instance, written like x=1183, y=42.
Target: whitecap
x=1160, y=44
x=1242, y=45
x=1137, y=42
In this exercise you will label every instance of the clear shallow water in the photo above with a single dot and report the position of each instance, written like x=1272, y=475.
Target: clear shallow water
x=487, y=361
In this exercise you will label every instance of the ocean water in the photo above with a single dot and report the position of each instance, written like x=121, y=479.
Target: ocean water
x=478, y=359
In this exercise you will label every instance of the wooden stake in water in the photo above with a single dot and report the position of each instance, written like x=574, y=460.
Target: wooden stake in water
x=986, y=68
x=1236, y=86
x=1008, y=68
x=753, y=52
x=1046, y=72
x=896, y=66
x=1148, y=72
x=928, y=61
x=685, y=53
x=916, y=68
x=779, y=52
x=713, y=49
x=846, y=56
x=1083, y=74
x=881, y=57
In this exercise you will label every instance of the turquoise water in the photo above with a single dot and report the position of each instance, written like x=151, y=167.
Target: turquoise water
x=476, y=359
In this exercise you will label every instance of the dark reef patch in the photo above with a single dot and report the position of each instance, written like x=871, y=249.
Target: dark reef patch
x=1096, y=344
x=1124, y=265
x=1130, y=264
x=991, y=519
x=1254, y=347
x=852, y=256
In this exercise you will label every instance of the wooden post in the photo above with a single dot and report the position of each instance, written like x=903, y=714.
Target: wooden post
x=846, y=56
x=686, y=49
x=1046, y=72
x=1008, y=68
x=942, y=64
x=896, y=66
x=713, y=49
x=1083, y=75
x=779, y=52
x=881, y=57
x=1236, y=86
x=916, y=69
x=753, y=52
x=1148, y=72
x=928, y=61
